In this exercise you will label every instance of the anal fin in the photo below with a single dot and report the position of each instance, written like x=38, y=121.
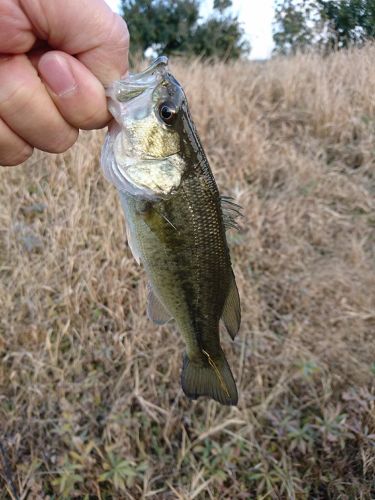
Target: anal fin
x=232, y=309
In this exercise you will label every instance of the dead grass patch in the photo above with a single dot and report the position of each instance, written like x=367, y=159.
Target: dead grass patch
x=90, y=400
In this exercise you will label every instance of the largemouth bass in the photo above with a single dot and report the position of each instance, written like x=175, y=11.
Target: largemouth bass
x=175, y=222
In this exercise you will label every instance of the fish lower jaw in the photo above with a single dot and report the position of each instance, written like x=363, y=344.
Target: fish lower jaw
x=149, y=178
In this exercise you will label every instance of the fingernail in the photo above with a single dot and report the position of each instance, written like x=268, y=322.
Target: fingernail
x=56, y=73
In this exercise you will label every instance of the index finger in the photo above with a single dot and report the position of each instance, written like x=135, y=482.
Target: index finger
x=87, y=29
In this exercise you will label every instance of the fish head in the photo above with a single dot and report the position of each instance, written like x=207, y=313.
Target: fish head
x=142, y=152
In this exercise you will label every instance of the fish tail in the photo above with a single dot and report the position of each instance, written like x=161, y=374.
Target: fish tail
x=212, y=378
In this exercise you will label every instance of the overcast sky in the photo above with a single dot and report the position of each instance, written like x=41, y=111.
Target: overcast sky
x=256, y=16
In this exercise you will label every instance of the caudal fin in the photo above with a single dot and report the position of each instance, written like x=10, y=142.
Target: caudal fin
x=212, y=378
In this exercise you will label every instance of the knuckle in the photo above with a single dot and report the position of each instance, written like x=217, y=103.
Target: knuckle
x=118, y=34
x=123, y=30
x=114, y=33
x=16, y=99
x=116, y=38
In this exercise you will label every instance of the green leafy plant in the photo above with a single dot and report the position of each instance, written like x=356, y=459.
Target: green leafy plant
x=121, y=473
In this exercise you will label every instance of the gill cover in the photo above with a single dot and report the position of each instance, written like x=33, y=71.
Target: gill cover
x=141, y=151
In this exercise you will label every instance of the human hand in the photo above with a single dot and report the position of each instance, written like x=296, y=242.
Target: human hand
x=55, y=56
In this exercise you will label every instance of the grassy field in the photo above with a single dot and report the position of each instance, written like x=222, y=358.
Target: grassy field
x=90, y=398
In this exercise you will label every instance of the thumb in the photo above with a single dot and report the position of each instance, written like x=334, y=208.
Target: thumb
x=76, y=92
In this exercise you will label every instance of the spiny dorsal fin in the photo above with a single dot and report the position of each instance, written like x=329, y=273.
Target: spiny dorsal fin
x=155, y=309
x=231, y=211
x=232, y=309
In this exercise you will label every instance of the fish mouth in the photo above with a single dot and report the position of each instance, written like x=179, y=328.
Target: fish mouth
x=159, y=65
x=135, y=84
x=138, y=88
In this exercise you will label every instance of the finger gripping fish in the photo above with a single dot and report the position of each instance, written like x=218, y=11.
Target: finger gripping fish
x=175, y=222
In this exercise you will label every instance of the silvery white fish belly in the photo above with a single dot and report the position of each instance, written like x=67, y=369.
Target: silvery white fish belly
x=176, y=222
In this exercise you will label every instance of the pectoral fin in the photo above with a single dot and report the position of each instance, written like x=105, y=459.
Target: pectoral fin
x=133, y=247
x=155, y=309
x=232, y=309
x=132, y=242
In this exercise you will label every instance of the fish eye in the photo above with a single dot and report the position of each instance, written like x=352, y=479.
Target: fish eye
x=167, y=113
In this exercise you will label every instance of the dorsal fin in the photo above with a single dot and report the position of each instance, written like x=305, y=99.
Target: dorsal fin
x=231, y=211
x=155, y=309
x=232, y=309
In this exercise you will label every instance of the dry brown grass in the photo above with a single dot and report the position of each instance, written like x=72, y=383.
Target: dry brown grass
x=90, y=398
